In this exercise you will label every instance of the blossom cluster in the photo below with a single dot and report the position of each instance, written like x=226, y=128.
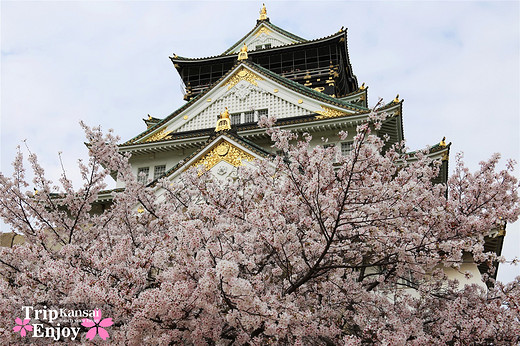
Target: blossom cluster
x=311, y=247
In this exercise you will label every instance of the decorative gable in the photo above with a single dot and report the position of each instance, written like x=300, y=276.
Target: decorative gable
x=248, y=92
x=221, y=156
x=223, y=151
x=246, y=102
x=264, y=36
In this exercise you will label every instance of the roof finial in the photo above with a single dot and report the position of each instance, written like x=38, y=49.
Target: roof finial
x=263, y=13
x=223, y=122
x=243, y=52
x=362, y=87
x=396, y=100
x=443, y=142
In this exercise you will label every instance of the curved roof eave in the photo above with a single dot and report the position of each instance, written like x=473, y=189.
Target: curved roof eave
x=181, y=59
x=271, y=26
x=282, y=80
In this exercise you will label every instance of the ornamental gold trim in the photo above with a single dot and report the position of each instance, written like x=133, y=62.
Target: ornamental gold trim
x=222, y=125
x=329, y=113
x=263, y=30
x=243, y=74
x=263, y=13
x=223, y=151
x=163, y=134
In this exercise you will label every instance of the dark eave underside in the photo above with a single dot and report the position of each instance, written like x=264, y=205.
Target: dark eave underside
x=297, y=45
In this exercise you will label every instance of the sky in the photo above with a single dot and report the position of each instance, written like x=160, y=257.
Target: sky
x=455, y=63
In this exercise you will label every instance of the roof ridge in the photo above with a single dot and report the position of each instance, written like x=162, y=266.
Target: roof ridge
x=302, y=87
x=186, y=105
x=283, y=31
x=285, y=81
x=243, y=38
x=266, y=23
x=226, y=54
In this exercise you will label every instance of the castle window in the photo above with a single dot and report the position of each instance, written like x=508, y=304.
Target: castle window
x=249, y=117
x=235, y=119
x=346, y=147
x=258, y=47
x=159, y=171
x=142, y=174
x=267, y=45
x=262, y=112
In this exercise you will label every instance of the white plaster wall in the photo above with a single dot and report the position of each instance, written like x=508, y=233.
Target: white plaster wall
x=170, y=159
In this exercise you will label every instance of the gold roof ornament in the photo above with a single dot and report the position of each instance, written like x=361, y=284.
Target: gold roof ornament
x=243, y=74
x=225, y=114
x=223, y=151
x=263, y=30
x=442, y=143
x=161, y=135
x=223, y=122
x=149, y=117
x=263, y=13
x=396, y=100
x=329, y=113
x=362, y=87
x=243, y=52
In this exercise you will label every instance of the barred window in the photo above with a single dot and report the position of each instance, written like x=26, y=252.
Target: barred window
x=159, y=171
x=258, y=46
x=235, y=119
x=142, y=174
x=267, y=45
x=262, y=112
x=249, y=117
x=346, y=147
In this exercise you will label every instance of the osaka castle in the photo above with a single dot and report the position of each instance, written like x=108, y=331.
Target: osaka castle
x=308, y=85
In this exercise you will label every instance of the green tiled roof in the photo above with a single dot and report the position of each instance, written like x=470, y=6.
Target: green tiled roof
x=305, y=90
x=271, y=26
x=282, y=80
x=227, y=55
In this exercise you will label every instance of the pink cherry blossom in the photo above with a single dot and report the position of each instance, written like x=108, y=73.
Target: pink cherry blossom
x=314, y=247
x=96, y=326
x=22, y=326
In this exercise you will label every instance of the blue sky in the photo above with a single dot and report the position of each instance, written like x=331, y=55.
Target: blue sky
x=456, y=64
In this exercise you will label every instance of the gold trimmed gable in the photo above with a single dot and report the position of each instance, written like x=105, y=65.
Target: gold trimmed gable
x=223, y=151
x=329, y=113
x=240, y=75
x=263, y=30
x=163, y=134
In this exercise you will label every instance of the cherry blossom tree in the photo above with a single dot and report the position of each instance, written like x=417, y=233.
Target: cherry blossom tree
x=310, y=247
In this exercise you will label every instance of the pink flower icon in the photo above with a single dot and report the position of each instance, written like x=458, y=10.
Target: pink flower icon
x=22, y=326
x=96, y=326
